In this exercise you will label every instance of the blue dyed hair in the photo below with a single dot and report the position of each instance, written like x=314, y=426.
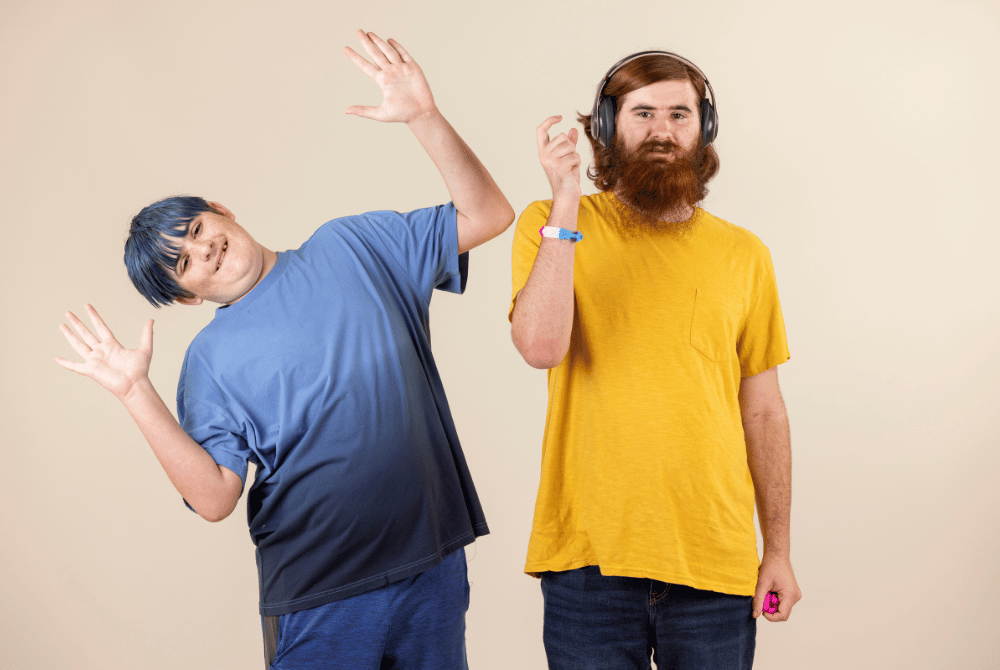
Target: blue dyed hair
x=150, y=253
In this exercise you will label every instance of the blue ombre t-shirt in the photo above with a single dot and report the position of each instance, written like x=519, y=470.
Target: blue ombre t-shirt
x=323, y=377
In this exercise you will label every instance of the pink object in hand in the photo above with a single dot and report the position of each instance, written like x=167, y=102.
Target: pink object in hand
x=771, y=602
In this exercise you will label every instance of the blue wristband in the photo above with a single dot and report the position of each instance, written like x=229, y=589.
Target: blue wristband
x=560, y=233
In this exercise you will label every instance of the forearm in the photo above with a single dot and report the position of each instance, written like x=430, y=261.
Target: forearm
x=769, y=456
x=471, y=188
x=211, y=490
x=542, y=322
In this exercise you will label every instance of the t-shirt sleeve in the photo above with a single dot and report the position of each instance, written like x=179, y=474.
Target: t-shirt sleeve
x=425, y=243
x=526, y=243
x=762, y=343
x=202, y=413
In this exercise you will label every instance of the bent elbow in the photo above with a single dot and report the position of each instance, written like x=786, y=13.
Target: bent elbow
x=211, y=514
x=542, y=355
x=215, y=512
x=503, y=216
x=508, y=216
x=215, y=516
x=544, y=363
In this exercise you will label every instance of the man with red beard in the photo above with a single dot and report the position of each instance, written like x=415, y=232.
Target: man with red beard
x=661, y=330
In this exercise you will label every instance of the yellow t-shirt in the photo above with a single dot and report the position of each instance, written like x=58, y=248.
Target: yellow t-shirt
x=644, y=466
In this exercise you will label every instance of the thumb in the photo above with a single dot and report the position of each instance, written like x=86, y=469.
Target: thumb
x=146, y=343
x=573, y=134
x=758, y=598
x=366, y=112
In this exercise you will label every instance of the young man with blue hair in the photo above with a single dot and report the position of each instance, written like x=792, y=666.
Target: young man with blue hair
x=317, y=368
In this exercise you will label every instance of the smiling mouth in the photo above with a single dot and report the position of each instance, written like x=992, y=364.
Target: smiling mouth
x=222, y=254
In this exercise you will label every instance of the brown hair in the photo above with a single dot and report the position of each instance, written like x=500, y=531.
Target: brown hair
x=632, y=76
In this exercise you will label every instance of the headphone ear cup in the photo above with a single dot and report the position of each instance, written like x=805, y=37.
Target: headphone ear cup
x=709, y=122
x=606, y=121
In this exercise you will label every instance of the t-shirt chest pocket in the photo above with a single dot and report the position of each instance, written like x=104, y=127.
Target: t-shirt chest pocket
x=713, y=325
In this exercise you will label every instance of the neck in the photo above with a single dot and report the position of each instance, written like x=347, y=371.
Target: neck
x=270, y=258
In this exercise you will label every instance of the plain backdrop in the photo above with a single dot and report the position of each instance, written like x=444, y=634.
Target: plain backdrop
x=858, y=140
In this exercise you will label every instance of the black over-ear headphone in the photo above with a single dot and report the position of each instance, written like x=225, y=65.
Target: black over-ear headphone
x=602, y=120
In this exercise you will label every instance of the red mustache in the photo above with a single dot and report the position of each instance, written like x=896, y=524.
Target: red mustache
x=650, y=146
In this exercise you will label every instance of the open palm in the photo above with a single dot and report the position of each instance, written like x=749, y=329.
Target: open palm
x=105, y=360
x=406, y=93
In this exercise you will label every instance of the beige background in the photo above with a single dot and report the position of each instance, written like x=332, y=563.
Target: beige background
x=859, y=141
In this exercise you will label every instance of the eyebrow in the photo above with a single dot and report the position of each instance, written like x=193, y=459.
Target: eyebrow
x=641, y=107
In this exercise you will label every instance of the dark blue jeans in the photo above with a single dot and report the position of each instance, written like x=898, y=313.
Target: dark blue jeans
x=597, y=622
x=414, y=624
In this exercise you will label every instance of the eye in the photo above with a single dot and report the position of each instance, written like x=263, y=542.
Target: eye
x=645, y=115
x=183, y=264
x=196, y=229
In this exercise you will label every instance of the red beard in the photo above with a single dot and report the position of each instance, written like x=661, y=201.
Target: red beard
x=656, y=190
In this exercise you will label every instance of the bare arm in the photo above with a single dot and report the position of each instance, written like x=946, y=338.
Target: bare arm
x=769, y=456
x=483, y=211
x=542, y=321
x=211, y=490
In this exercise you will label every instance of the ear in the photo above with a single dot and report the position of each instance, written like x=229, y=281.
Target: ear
x=221, y=209
x=193, y=300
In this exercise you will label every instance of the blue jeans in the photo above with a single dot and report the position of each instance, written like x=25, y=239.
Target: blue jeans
x=598, y=622
x=414, y=624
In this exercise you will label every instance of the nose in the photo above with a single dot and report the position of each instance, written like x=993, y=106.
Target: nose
x=661, y=129
x=203, y=249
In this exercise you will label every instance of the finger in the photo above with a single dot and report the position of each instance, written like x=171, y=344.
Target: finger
x=372, y=49
x=69, y=365
x=364, y=65
x=563, y=146
x=366, y=112
x=758, y=598
x=82, y=331
x=146, y=343
x=542, y=132
x=74, y=341
x=403, y=53
x=786, y=601
x=102, y=329
x=389, y=53
x=780, y=615
x=560, y=145
x=573, y=135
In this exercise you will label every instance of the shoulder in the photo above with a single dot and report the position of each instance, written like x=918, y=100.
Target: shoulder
x=595, y=204
x=199, y=351
x=384, y=221
x=345, y=234
x=539, y=208
x=199, y=365
x=731, y=235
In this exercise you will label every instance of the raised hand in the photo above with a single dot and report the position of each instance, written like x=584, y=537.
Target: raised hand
x=560, y=159
x=105, y=360
x=406, y=93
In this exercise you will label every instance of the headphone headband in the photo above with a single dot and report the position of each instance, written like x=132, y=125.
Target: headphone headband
x=602, y=119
